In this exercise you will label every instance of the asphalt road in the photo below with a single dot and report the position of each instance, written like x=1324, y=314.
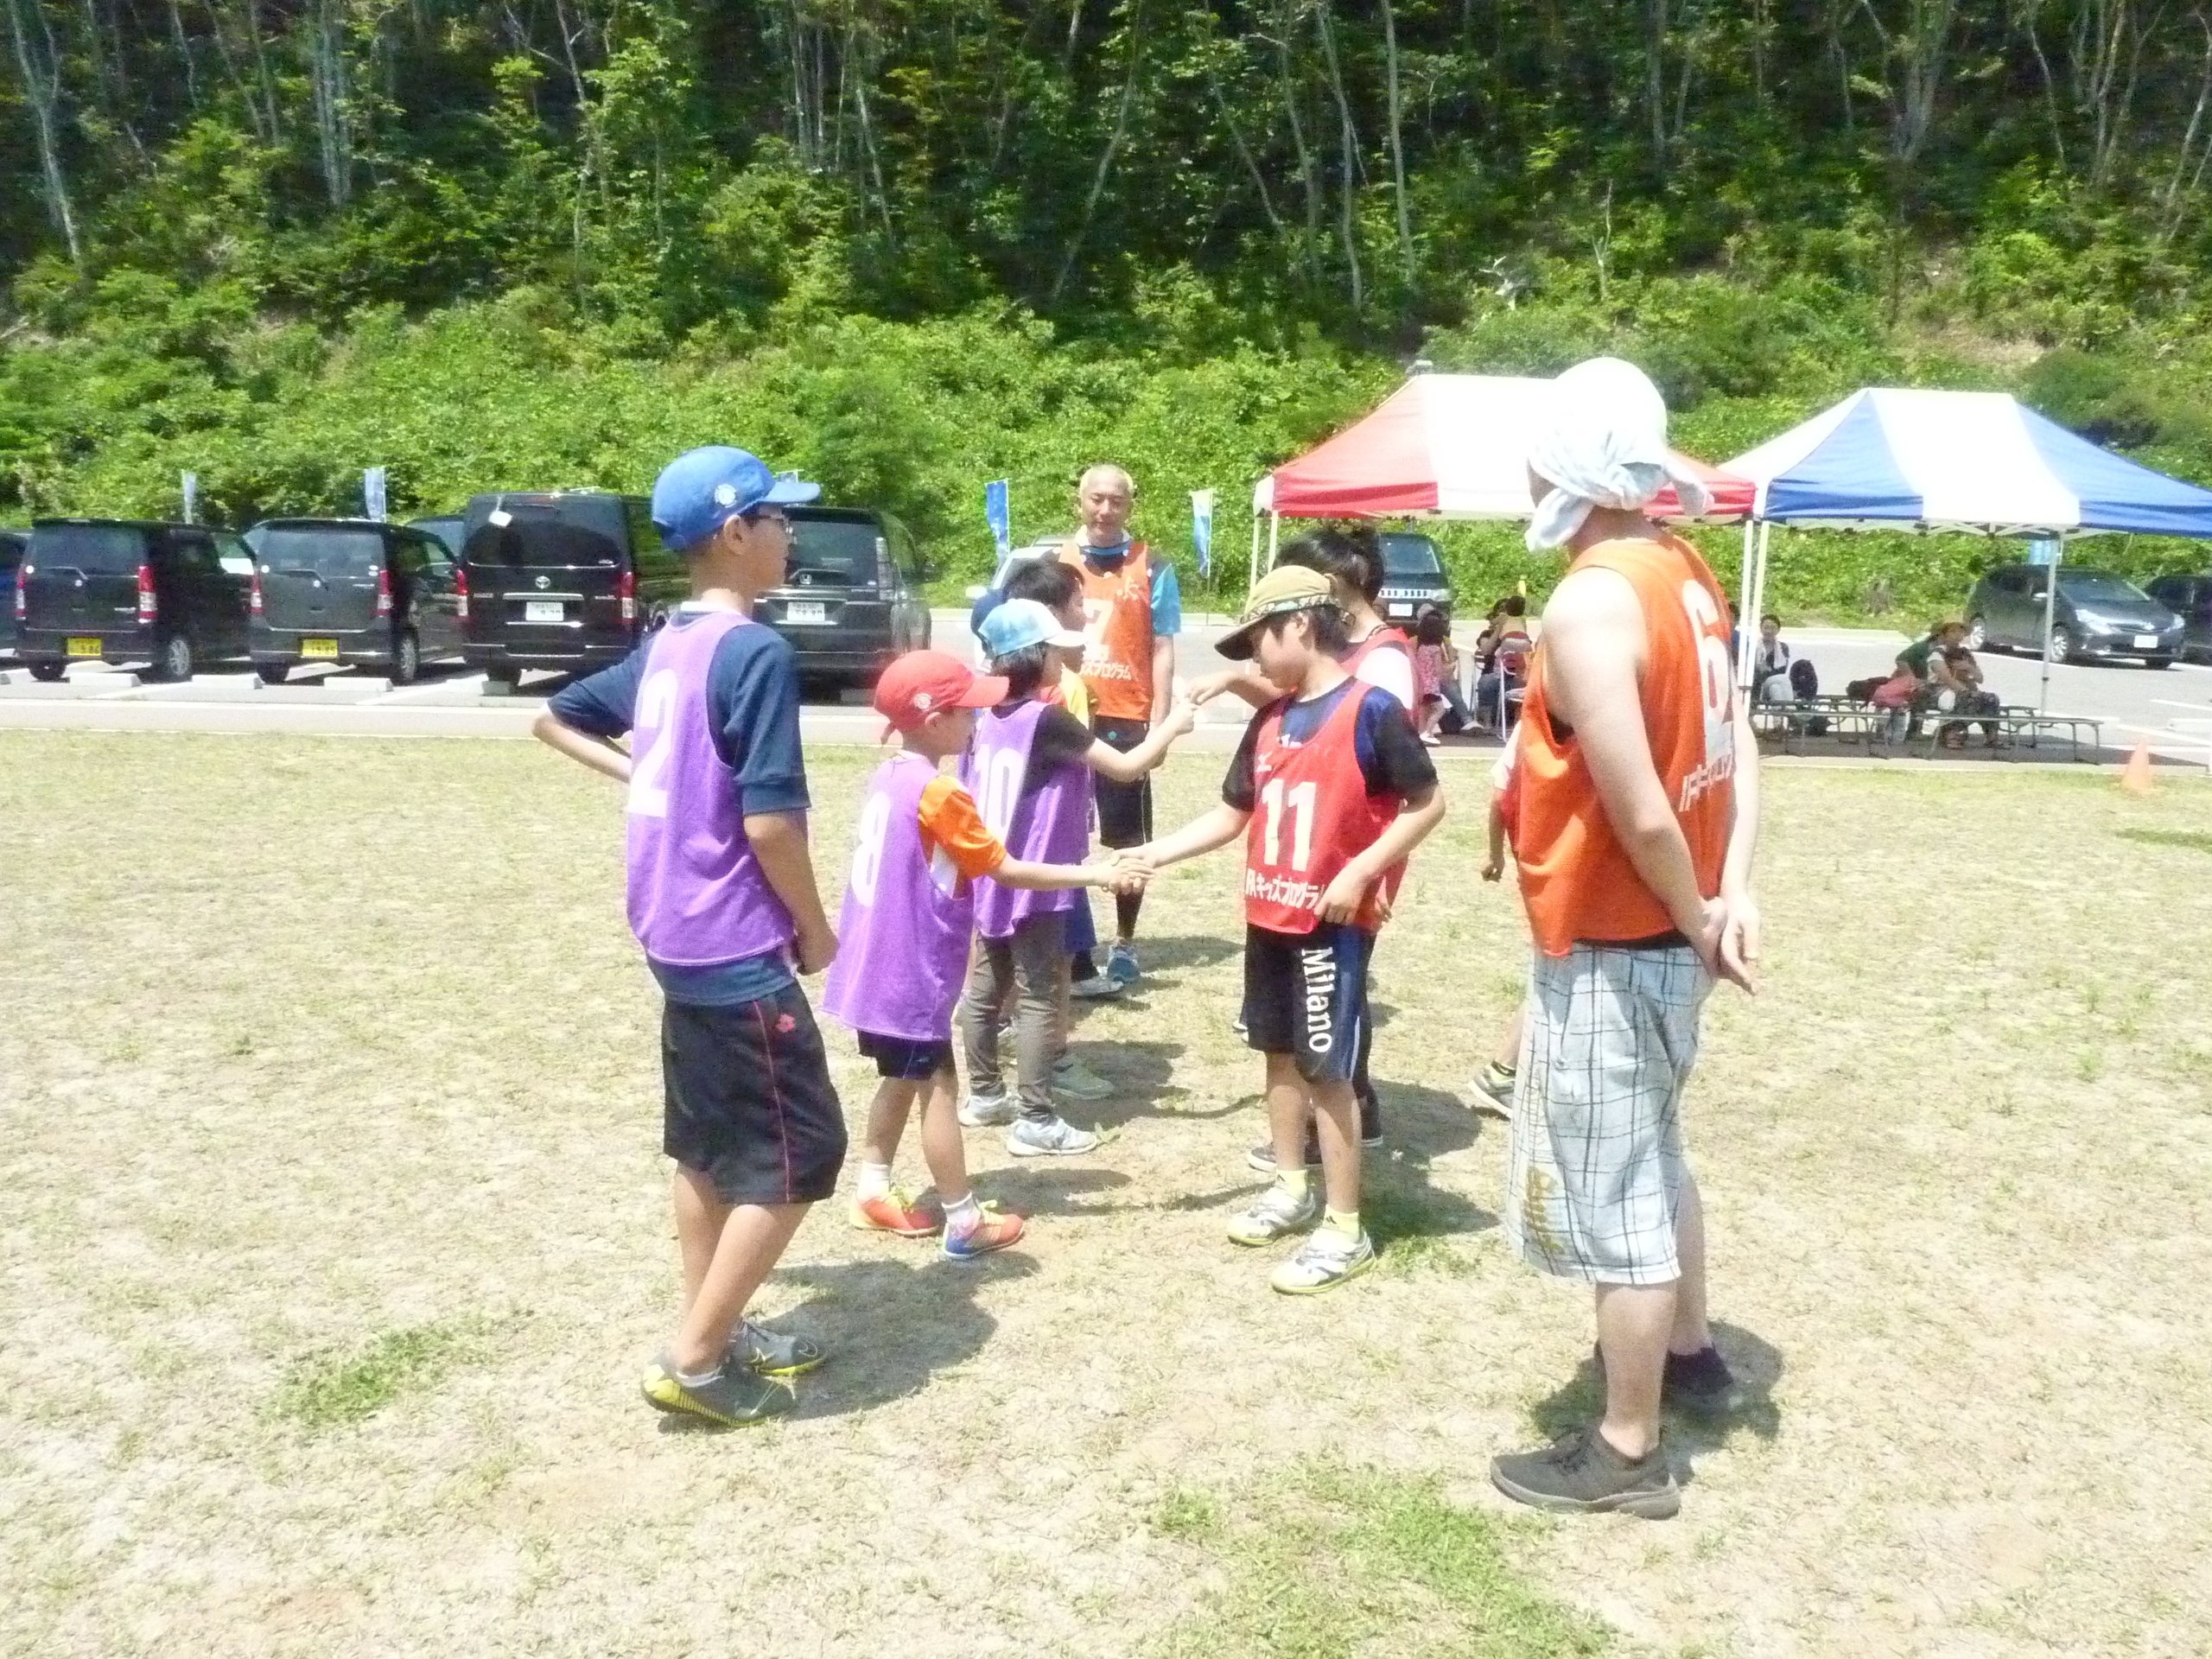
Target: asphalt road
x=2171, y=710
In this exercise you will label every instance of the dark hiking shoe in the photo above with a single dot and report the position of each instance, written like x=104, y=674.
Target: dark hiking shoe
x=1581, y=1474
x=1700, y=1383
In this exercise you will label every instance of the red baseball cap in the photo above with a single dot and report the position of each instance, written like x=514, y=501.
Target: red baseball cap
x=915, y=686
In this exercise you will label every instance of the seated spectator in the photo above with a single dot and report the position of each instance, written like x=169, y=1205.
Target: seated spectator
x=1772, y=664
x=1959, y=676
x=1505, y=663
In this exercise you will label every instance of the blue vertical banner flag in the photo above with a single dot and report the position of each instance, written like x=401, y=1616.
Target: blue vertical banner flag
x=373, y=492
x=1202, y=529
x=998, y=509
x=190, y=489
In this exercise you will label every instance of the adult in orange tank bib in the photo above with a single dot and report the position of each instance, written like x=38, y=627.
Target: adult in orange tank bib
x=1634, y=830
x=1132, y=609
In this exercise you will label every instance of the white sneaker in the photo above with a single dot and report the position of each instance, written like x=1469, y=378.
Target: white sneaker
x=1274, y=1214
x=1071, y=1078
x=1097, y=986
x=987, y=1111
x=1054, y=1137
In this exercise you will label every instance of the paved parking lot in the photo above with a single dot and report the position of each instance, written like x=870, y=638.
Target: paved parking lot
x=2171, y=710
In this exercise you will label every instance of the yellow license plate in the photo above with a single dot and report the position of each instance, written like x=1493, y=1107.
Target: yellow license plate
x=84, y=647
x=318, y=647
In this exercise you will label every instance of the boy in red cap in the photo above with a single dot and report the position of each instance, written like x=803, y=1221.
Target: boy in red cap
x=909, y=913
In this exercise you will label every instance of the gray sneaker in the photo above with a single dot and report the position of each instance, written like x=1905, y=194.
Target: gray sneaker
x=1581, y=1474
x=772, y=1353
x=1071, y=1078
x=1324, y=1262
x=1274, y=1214
x=987, y=1111
x=1096, y=986
x=1054, y=1137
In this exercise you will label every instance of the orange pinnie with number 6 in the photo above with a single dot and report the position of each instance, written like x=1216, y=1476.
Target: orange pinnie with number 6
x=1575, y=876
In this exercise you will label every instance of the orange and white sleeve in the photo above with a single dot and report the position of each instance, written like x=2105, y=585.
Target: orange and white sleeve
x=951, y=825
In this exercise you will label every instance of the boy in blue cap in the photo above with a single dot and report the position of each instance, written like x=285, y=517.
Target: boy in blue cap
x=723, y=897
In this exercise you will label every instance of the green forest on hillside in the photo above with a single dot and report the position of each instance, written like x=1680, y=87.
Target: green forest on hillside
x=911, y=245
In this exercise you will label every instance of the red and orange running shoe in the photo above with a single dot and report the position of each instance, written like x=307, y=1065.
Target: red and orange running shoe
x=894, y=1212
x=992, y=1232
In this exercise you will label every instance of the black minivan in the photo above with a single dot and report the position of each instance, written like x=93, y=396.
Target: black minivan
x=1413, y=577
x=118, y=590
x=351, y=591
x=851, y=597
x=569, y=580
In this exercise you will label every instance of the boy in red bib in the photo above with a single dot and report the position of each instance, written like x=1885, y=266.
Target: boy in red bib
x=1331, y=790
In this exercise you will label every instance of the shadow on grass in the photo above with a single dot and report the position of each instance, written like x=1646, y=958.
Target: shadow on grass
x=889, y=1325
x=1177, y=951
x=1053, y=1186
x=1756, y=1363
x=2194, y=840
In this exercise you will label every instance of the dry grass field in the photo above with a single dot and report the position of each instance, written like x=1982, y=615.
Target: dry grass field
x=335, y=1232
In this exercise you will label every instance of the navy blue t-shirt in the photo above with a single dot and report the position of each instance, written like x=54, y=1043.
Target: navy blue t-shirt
x=753, y=705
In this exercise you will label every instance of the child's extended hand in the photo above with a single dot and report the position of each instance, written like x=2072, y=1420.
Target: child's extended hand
x=1183, y=715
x=1207, y=687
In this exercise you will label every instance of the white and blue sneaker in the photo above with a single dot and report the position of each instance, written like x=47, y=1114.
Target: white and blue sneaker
x=1122, y=963
x=1051, y=1137
x=987, y=1111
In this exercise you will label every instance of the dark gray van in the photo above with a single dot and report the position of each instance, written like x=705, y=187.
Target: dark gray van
x=353, y=592
x=12, y=543
x=851, y=597
x=118, y=590
x=569, y=580
x=1413, y=577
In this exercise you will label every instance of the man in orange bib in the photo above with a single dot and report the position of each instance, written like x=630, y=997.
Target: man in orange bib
x=1132, y=609
x=1634, y=830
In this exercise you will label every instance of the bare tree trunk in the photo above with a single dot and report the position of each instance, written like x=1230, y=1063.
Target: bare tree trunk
x=1397, y=142
x=41, y=72
x=1655, y=78
x=1105, y=159
x=333, y=113
x=261, y=69
x=184, y=55
x=1259, y=181
x=1350, y=140
x=2026, y=18
x=2170, y=200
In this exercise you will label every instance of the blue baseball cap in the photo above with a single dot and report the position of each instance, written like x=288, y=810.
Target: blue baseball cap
x=703, y=489
x=1018, y=624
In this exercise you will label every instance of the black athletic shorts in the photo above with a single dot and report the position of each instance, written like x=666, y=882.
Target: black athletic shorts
x=910, y=1059
x=1124, y=809
x=1306, y=996
x=749, y=1101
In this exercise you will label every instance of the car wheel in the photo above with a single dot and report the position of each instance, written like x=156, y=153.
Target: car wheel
x=173, y=664
x=503, y=674
x=1977, y=635
x=406, y=658
x=2158, y=661
x=272, y=673
x=2062, y=645
x=49, y=672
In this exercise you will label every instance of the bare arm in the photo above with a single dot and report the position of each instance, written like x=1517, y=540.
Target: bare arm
x=1163, y=671
x=602, y=756
x=1594, y=647
x=1348, y=889
x=1107, y=761
x=1494, y=867
x=779, y=843
x=1739, y=933
x=1202, y=835
x=1243, y=681
x=1024, y=873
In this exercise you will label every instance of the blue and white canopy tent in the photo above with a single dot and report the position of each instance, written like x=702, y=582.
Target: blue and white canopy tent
x=1976, y=462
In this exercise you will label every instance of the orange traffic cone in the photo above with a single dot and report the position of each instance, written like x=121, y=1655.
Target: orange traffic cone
x=2135, y=776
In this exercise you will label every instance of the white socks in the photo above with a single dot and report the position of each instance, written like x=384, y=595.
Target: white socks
x=875, y=1179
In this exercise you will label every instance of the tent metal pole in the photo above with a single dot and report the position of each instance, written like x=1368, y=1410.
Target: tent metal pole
x=1744, y=607
x=2050, y=599
x=1252, y=571
x=1750, y=623
x=1274, y=530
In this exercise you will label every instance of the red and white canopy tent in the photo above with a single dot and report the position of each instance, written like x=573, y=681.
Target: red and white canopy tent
x=1444, y=446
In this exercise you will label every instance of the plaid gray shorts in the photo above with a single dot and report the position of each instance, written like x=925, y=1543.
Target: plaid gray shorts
x=1595, y=1167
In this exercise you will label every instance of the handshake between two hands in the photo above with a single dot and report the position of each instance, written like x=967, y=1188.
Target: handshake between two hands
x=1126, y=870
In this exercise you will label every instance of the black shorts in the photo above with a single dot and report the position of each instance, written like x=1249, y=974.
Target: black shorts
x=1124, y=809
x=749, y=1102
x=909, y=1059
x=1306, y=996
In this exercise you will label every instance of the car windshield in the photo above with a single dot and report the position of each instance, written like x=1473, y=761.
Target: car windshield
x=324, y=551
x=2099, y=587
x=1410, y=556
x=834, y=550
x=110, y=549
x=447, y=531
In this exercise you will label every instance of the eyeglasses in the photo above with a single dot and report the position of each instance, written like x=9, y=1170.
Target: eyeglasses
x=775, y=515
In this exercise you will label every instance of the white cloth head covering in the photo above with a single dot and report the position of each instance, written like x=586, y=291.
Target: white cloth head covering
x=1601, y=442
